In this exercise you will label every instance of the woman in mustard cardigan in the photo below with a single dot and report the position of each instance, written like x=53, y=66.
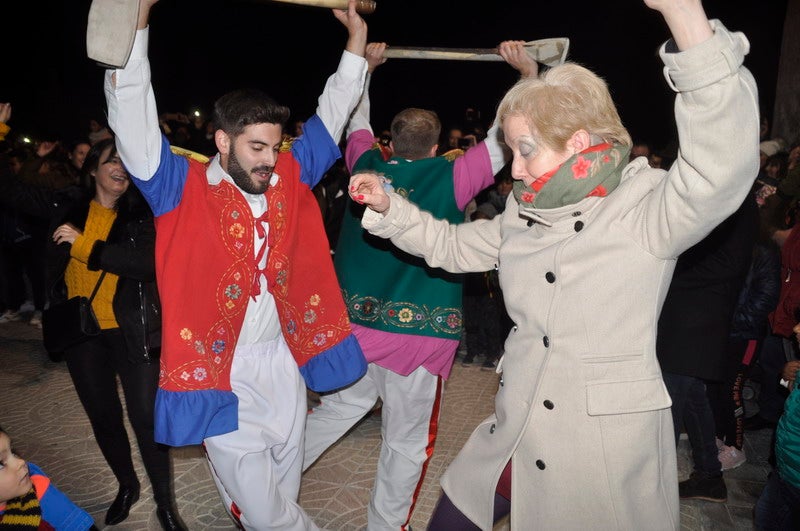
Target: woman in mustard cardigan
x=111, y=230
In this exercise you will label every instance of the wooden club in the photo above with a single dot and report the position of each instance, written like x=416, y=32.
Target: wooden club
x=550, y=52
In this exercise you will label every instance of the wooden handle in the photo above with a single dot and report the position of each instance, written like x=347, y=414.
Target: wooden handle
x=550, y=52
x=364, y=7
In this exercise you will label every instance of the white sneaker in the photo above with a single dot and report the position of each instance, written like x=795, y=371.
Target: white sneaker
x=36, y=319
x=10, y=316
x=730, y=457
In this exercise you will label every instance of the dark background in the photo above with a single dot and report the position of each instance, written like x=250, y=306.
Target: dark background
x=200, y=49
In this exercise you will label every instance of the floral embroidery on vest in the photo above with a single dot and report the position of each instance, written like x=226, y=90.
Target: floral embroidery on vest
x=404, y=314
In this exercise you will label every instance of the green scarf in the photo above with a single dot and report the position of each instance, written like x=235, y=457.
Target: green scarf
x=594, y=172
x=22, y=513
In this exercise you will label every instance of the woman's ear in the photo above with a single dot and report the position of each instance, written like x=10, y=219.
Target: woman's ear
x=579, y=141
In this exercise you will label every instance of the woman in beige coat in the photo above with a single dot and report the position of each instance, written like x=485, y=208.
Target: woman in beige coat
x=585, y=251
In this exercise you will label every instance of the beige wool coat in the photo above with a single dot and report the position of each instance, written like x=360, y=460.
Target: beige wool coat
x=581, y=409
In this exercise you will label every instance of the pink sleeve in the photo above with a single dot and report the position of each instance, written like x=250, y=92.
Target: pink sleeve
x=472, y=173
x=358, y=143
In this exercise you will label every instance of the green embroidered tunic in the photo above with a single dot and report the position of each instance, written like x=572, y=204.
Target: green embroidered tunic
x=385, y=288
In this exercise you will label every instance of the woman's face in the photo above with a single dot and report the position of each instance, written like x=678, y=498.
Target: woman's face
x=78, y=154
x=110, y=175
x=532, y=158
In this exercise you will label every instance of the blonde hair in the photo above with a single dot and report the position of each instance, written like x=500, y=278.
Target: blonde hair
x=563, y=100
x=414, y=133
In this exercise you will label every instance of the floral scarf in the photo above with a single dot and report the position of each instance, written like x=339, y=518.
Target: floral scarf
x=594, y=172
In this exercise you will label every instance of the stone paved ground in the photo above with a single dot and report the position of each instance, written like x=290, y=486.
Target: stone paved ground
x=40, y=409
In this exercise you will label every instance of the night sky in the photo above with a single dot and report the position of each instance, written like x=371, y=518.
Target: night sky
x=200, y=49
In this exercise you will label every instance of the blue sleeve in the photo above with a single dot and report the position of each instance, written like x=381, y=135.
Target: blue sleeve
x=315, y=150
x=58, y=510
x=163, y=191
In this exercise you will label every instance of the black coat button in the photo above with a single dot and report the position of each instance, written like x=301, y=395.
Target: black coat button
x=530, y=223
x=546, y=341
x=540, y=464
x=491, y=428
x=548, y=404
x=578, y=226
x=550, y=277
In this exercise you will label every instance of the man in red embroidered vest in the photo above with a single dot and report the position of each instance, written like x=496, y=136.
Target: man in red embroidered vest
x=250, y=310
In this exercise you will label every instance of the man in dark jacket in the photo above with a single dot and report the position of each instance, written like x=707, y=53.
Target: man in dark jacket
x=692, y=337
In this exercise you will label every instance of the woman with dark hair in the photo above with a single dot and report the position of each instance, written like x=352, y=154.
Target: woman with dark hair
x=106, y=240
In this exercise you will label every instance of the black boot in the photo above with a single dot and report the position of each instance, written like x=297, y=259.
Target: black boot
x=169, y=518
x=121, y=506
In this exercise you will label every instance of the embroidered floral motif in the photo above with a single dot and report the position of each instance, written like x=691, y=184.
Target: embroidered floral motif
x=453, y=321
x=233, y=291
x=229, y=305
x=238, y=246
x=236, y=230
x=199, y=347
x=446, y=321
x=186, y=334
x=217, y=360
x=310, y=316
x=528, y=197
x=237, y=276
x=291, y=327
x=282, y=277
x=200, y=374
x=320, y=340
x=218, y=346
x=314, y=300
x=235, y=214
x=580, y=169
x=185, y=376
x=405, y=315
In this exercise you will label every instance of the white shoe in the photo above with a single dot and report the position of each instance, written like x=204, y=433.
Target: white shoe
x=10, y=316
x=36, y=319
x=731, y=457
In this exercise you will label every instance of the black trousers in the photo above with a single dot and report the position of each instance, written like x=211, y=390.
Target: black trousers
x=94, y=366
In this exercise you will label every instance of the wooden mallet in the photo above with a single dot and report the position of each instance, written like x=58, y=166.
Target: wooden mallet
x=550, y=52
x=112, y=26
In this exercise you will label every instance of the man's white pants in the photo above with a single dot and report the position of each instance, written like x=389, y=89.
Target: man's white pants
x=257, y=467
x=408, y=420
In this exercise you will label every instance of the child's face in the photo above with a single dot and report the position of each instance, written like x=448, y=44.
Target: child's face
x=14, y=478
